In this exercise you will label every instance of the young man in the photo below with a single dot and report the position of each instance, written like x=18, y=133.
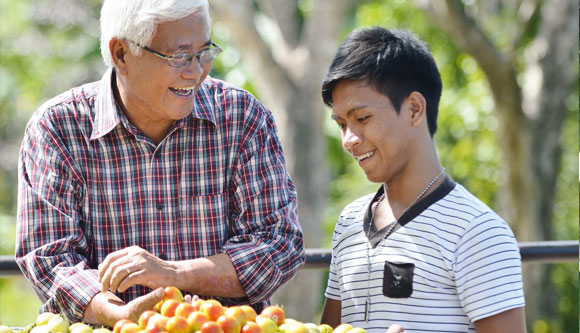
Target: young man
x=156, y=175
x=422, y=252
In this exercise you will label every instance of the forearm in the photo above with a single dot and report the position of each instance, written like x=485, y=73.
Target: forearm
x=103, y=309
x=331, y=313
x=210, y=276
x=56, y=278
x=512, y=321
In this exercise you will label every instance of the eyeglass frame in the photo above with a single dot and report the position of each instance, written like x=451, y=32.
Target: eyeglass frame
x=190, y=55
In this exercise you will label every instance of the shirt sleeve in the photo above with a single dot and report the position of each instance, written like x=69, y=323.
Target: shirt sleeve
x=488, y=268
x=51, y=248
x=266, y=247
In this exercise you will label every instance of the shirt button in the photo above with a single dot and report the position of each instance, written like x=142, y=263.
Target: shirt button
x=162, y=256
x=160, y=206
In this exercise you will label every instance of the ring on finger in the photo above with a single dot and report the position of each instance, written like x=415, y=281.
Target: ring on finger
x=127, y=270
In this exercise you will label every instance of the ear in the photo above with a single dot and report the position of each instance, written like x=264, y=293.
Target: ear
x=119, y=50
x=417, y=108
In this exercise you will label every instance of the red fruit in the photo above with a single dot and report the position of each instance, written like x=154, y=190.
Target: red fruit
x=211, y=327
x=197, y=304
x=157, y=321
x=212, y=309
x=184, y=309
x=177, y=325
x=229, y=324
x=238, y=313
x=168, y=307
x=119, y=324
x=153, y=329
x=170, y=293
x=275, y=312
x=196, y=320
x=144, y=318
x=251, y=327
x=130, y=328
x=250, y=312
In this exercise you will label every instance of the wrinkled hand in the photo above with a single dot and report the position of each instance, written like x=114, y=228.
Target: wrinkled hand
x=131, y=310
x=396, y=329
x=131, y=266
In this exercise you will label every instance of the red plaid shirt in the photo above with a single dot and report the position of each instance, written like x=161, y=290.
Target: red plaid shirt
x=91, y=183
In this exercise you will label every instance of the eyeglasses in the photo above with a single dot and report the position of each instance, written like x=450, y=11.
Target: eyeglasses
x=184, y=59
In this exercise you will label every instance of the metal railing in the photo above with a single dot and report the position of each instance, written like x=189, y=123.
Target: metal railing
x=545, y=252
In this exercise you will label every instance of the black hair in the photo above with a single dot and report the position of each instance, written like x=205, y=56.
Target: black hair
x=394, y=62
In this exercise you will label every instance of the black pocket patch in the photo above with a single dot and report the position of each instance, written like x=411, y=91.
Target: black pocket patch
x=398, y=279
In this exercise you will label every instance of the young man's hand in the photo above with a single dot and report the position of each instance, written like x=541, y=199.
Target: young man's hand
x=396, y=329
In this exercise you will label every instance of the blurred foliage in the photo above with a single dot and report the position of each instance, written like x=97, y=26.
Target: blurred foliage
x=49, y=46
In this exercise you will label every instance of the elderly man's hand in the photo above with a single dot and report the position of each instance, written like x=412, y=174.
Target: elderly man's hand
x=107, y=308
x=134, y=308
x=134, y=266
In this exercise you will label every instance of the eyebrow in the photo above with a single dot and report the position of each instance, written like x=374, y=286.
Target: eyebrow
x=188, y=47
x=349, y=112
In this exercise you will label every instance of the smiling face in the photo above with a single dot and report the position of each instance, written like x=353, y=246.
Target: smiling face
x=153, y=91
x=381, y=140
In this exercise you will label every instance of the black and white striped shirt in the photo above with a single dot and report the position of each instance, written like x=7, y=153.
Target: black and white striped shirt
x=460, y=259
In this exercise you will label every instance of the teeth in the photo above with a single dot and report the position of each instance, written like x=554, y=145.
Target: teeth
x=362, y=157
x=183, y=91
x=184, y=88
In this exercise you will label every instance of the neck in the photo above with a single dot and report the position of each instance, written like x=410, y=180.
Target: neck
x=402, y=191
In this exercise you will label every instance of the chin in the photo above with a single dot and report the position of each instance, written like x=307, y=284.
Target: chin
x=373, y=178
x=181, y=112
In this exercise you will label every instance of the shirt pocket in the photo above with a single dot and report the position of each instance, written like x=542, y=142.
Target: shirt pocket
x=204, y=226
x=398, y=279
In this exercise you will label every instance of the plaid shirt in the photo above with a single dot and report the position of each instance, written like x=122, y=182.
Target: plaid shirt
x=91, y=183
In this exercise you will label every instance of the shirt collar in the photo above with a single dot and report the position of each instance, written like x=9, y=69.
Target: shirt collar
x=203, y=108
x=108, y=114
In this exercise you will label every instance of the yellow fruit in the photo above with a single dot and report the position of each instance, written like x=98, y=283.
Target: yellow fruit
x=81, y=328
x=297, y=327
x=101, y=330
x=6, y=329
x=268, y=325
x=342, y=328
x=357, y=330
x=312, y=328
x=73, y=325
x=41, y=329
x=325, y=328
x=43, y=318
x=58, y=323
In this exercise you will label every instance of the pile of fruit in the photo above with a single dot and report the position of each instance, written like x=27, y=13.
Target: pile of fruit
x=48, y=322
x=174, y=315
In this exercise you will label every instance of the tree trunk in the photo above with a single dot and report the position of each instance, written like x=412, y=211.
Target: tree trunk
x=287, y=72
x=530, y=119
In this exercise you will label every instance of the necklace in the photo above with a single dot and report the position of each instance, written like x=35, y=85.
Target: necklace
x=387, y=234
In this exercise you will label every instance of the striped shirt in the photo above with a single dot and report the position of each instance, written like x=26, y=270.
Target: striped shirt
x=461, y=259
x=91, y=183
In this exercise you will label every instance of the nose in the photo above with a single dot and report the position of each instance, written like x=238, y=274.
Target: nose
x=194, y=70
x=350, y=138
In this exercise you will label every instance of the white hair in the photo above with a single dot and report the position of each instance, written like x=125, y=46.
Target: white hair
x=137, y=20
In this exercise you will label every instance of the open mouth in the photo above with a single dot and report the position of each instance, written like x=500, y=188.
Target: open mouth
x=183, y=91
x=364, y=156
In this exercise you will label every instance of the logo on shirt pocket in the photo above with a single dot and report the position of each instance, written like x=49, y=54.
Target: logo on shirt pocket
x=398, y=279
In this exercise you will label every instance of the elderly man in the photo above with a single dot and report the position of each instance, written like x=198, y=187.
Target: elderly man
x=156, y=175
